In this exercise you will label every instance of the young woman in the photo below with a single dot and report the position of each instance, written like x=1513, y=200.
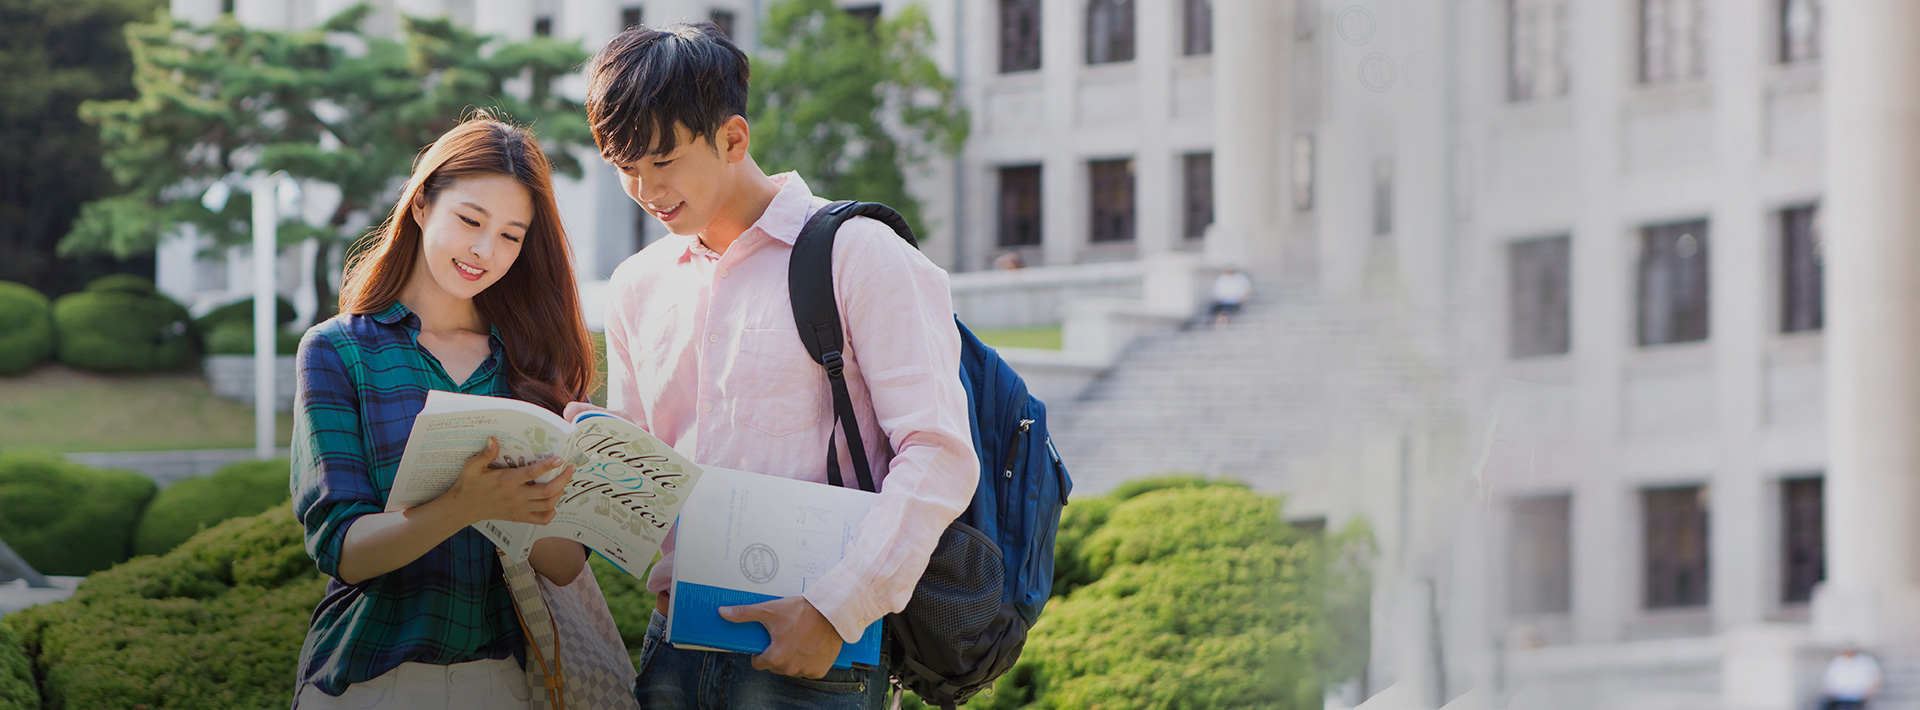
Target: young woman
x=467, y=288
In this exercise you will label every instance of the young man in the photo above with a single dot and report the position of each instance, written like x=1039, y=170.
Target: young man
x=702, y=350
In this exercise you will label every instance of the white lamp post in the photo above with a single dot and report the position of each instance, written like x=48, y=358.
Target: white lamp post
x=273, y=194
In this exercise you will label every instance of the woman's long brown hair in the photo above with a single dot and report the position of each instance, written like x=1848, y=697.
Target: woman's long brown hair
x=535, y=304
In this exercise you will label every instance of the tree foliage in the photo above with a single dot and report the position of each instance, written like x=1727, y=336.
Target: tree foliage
x=852, y=108
x=55, y=54
x=343, y=109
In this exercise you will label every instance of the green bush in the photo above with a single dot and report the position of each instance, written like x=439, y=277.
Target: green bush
x=26, y=328
x=65, y=518
x=121, y=330
x=628, y=600
x=236, y=338
x=217, y=623
x=241, y=311
x=17, y=689
x=1190, y=594
x=1229, y=609
x=123, y=283
x=185, y=508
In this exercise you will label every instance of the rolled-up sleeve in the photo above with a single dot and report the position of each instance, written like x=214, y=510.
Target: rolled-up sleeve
x=330, y=481
x=898, y=316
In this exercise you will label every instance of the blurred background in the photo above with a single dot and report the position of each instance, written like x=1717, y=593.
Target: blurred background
x=1423, y=353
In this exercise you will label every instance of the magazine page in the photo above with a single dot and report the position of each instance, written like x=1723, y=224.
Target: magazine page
x=453, y=427
x=627, y=489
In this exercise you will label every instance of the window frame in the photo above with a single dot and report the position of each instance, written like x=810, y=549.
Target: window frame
x=1112, y=201
x=1007, y=221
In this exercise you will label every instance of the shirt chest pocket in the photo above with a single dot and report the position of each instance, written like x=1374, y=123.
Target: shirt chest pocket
x=776, y=387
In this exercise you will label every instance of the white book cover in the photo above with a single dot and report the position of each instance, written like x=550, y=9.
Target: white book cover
x=746, y=538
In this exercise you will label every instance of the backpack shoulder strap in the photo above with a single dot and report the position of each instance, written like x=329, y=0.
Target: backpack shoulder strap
x=817, y=317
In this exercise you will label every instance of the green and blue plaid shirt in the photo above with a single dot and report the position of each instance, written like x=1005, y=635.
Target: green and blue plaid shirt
x=362, y=380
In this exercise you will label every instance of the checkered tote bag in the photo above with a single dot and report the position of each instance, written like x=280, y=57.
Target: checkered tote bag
x=574, y=653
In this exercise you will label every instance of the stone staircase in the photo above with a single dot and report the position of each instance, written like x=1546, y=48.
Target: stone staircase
x=1255, y=399
x=1900, y=668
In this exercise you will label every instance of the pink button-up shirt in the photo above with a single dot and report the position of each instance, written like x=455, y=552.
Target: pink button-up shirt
x=702, y=351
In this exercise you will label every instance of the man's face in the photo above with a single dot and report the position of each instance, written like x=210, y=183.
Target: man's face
x=686, y=187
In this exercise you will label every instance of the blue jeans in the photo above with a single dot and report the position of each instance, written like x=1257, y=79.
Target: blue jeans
x=716, y=680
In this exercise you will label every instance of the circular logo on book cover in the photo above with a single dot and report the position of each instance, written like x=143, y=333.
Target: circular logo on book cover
x=759, y=563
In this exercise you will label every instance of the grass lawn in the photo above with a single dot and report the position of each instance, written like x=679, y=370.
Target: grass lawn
x=1045, y=337
x=55, y=408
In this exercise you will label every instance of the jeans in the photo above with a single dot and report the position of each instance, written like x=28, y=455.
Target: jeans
x=716, y=680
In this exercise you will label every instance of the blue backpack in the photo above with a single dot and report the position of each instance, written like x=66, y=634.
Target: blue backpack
x=992, y=571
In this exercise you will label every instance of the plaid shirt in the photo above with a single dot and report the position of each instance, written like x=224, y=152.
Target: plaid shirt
x=362, y=380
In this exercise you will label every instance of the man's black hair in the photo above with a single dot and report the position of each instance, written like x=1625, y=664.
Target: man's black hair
x=647, y=80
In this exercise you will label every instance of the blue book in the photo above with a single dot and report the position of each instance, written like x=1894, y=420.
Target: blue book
x=746, y=538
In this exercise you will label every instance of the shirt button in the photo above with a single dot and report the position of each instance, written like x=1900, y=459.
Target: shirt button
x=713, y=338
x=723, y=273
x=708, y=407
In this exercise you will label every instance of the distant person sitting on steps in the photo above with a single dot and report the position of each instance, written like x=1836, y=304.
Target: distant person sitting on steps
x=1852, y=679
x=1009, y=261
x=1230, y=289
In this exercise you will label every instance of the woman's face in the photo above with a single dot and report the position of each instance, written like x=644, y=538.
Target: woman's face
x=472, y=233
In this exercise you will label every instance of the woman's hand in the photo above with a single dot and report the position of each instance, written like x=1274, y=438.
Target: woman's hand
x=513, y=494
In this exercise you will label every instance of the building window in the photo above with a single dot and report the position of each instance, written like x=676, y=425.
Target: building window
x=226, y=7
x=1537, y=49
x=1197, y=209
x=1112, y=203
x=1676, y=546
x=1199, y=18
x=1019, y=35
x=630, y=16
x=543, y=26
x=1020, y=206
x=1673, y=283
x=1673, y=40
x=722, y=19
x=1540, y=555
x=1800, y=30
x=1539, y=297
x=1109, y=31
x=1382, y=197
x=1801, y=266
x=868, y=15
x=1803, y=556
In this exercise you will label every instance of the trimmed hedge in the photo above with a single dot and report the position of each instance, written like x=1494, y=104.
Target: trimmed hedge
x=118, y=326
x=215, y=624
x=1199, y=596
x=1194, y=595
x=185, y=508
x=123, y=283
x=26, y=328
x=17, y=689
x=65, y=518
x=236, y=338
x=241, y=311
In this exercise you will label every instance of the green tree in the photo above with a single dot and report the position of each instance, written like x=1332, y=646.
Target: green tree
x=55, y=54
x=852, y=108
x=331, y=105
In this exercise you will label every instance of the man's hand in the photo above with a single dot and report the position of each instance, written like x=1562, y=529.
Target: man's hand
x=575, y=409
x=804, y=642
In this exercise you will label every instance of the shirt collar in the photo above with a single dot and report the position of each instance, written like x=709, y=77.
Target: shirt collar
x=782, y=220
x=400, y=314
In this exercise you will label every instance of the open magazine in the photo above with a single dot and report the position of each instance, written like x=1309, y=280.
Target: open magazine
x=627, y=485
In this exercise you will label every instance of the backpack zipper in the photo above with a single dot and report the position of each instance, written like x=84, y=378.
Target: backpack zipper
x=1013, y=447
